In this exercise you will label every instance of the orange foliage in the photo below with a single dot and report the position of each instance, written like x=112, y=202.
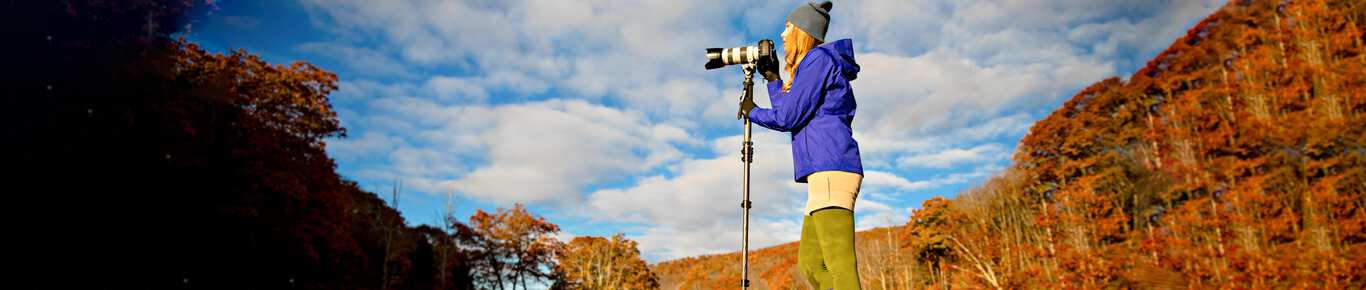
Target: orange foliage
x=510, y=247
x=600, y=263
x=292, y=99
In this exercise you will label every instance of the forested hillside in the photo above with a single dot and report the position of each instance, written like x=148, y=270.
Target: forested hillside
x=1236, y=158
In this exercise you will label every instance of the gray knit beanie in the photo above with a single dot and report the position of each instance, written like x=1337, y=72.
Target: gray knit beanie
x=813, y=18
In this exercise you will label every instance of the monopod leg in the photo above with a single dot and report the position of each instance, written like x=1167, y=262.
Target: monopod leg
x=746, y=157
x=747, y=154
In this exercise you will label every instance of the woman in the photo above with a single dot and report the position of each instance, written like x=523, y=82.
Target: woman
x=816, y=105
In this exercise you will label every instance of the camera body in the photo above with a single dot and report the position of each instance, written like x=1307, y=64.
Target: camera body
x=762, y=55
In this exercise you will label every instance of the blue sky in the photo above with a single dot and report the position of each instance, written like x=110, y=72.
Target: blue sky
x=599, y=115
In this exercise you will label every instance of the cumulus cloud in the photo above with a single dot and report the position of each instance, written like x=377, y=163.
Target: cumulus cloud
x=623, y=50
x=453, y=89
x=541, y=150
x=362, y=60
x=666, y=243
x=881, y=179
x=955, y=156
x=545, y=151
x=872, y=214
x=362, y=146
x=602, y=109
x=702, y=200
x=940, y=91
x=990, y=65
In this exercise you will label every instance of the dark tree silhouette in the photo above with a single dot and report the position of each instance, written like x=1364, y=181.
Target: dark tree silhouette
x=142, y=161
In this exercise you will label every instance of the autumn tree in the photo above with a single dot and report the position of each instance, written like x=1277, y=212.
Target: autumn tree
x=510, y=247
x=926, y=237
x=602, y=263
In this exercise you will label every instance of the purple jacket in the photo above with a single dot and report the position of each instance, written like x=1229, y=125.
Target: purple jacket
x=817, y=110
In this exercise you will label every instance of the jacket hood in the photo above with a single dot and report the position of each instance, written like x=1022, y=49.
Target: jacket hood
x=842, y=53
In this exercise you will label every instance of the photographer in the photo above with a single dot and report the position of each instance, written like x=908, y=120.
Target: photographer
x=816, y=105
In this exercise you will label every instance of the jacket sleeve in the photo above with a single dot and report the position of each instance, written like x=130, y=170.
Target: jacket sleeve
x=798, y=105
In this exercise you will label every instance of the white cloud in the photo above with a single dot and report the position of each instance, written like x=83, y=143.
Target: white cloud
x=351, y=91
x=424, y=162
x=948, y=90
x=544, y=151
x=702, y=201
x=521, y=113
x=541, y=150
x=451, y=89
x=365, y=145
x=954, y=156
x=363, y=61
x=666, y=243
x=881, y=179
x=686, y=213
x=929, y=66
x=945, y=74
x=872, y=214
x=575, y=46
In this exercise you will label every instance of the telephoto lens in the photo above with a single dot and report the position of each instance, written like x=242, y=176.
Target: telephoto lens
x=721, y=57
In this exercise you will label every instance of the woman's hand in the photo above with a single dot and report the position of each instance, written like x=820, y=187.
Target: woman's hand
x=746, y=105
x=768, y=66
x=771, y=75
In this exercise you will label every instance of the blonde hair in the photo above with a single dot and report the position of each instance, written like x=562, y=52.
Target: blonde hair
x=795, y=46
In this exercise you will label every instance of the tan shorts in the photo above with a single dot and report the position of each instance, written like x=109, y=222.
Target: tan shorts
x=831, y=188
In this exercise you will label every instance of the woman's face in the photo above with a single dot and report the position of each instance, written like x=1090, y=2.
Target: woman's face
x=787, y=29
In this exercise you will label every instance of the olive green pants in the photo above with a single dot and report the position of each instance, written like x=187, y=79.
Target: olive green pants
x=825, y=254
